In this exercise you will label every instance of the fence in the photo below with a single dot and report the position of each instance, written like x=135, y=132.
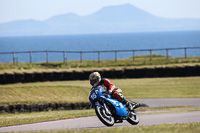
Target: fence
x=164, y=52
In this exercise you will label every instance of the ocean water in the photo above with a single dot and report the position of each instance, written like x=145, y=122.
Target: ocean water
x=98, y=42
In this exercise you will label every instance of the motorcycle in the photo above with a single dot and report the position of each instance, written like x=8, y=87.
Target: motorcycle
x=109, y=110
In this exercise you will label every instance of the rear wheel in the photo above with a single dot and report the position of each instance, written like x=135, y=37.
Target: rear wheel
x=133, y=118
x=103, y=117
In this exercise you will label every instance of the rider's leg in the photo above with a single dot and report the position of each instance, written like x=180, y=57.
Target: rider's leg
x=128, y=104
x=131, y=105
x=118, y=95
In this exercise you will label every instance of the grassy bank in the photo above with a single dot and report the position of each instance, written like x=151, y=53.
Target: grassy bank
x=78, y=91
x=7, y=119
x=163, y=128
x=138, y=61
x=25, y=118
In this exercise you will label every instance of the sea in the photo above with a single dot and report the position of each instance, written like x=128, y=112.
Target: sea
x=97, y=42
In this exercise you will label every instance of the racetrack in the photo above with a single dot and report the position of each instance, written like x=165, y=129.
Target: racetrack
x=94, y=122
x=169, y=101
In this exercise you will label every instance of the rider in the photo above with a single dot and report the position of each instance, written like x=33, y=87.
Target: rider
x=95, y=80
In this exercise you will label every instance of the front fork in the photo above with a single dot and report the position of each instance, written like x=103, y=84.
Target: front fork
x=106, y=109
x=104, y=106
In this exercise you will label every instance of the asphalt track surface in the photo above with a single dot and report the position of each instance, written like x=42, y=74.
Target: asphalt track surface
x=169, y=101
x=94, y=122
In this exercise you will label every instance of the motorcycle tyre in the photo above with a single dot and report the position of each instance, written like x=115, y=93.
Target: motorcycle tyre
x=133, y=122
x=99, y=115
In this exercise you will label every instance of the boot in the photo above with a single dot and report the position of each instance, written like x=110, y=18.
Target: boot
x=136, y=105
x=127, y=104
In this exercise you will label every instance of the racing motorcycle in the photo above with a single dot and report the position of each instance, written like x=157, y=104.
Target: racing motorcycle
x=109, y=110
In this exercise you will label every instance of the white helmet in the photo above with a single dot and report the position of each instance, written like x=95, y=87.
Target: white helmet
x=94, y=78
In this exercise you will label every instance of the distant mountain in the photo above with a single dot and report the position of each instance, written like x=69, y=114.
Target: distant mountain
x=123, y=13
x=112, y=19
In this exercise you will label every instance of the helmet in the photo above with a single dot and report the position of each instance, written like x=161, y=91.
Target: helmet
x=94, y=78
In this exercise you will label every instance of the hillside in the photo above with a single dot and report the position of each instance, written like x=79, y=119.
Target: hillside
x=112, y=19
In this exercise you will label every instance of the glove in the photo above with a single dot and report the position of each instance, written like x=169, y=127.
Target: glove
x=109, y=92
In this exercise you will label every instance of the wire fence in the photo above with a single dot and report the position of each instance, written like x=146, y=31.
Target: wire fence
x=30, y=55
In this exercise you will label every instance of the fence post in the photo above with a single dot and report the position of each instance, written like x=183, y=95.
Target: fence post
x=65, y=60
x=13, y=57
x=133, y=55
x=81, y=56
x=115, y=56
x=150, y=54
x=64, y=57
x=98, y=56
x=17, y=61
x=30, y=53
x=47, y=60
x=167, y=52
x=185, y=52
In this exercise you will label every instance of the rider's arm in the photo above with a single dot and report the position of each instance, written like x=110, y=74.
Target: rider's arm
x=109, y=85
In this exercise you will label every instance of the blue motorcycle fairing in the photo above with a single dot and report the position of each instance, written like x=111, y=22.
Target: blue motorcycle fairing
x=119, y=107
x=96, y=95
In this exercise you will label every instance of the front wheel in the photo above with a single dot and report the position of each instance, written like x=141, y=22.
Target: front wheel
x=133, y=118
x=103, y=117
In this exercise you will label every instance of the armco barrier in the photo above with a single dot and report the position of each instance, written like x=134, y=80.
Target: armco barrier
x=163, y=71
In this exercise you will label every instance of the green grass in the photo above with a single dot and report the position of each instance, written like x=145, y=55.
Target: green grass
x=138, y=61
x=46, y=92
x=186, y=87
x=163, y=128
x=7, y=119
x=78, y=91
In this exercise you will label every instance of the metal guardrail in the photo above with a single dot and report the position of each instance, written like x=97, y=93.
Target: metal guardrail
x=15, y=60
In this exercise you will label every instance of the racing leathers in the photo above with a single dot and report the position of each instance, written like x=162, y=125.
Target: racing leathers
x=115, y=92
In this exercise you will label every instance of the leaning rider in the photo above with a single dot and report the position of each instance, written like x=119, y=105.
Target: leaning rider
x=116, y=93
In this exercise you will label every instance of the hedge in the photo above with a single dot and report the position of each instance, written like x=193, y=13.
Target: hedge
x=46, y=107
x=25, y=77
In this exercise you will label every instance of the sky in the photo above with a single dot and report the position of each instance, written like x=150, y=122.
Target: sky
x=11, y=10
